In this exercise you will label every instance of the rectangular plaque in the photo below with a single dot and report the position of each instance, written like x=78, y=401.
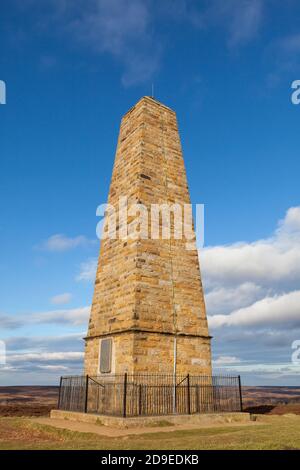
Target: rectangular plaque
x=105, y=355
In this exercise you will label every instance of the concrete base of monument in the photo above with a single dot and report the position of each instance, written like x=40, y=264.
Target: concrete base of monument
x=209, y=419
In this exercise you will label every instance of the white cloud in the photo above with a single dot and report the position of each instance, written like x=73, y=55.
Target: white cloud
x=240, y=19
x=41, y=359
x=88, y=270
x=45, y=357
x=53, y=368
x=291, y=222
x=284, y=309
x=59, y=243
x=255, y=283
x=244, y=20
x=67, y=342
x=9, y=322
x=264, y=262
x=275, y=371
x=40, y=364
x=225, y=299
x=75, y=316
x=61, y=298
x=224, y=360
x=253, y=301
x=121, y=28
x=130, y=30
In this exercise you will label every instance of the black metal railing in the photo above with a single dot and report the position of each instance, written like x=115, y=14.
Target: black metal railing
x=146, y=395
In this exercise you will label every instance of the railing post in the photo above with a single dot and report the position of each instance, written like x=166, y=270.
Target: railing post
x=174, y=395
x=125, y=395
x=214, y=385
x=86, y=393
x=240, y=393
x=59, y=394
x=197, y=398
x=189, y=394
x=140, y=399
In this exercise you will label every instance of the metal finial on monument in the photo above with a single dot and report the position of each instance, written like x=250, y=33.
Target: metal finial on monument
x=152, y=92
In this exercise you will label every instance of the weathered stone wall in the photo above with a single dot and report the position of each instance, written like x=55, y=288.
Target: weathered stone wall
x=151, y=287
x=137, y=352
x=154, y=353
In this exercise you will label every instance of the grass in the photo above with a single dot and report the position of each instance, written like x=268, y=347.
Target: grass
x=273, y=433
x=160, y=423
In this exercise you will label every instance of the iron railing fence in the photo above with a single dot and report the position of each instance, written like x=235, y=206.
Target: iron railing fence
x=150, y=394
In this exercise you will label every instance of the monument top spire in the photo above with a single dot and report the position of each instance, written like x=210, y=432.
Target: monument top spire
x=147, y=98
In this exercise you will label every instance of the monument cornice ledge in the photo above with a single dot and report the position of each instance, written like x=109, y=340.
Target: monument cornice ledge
x=145, y=330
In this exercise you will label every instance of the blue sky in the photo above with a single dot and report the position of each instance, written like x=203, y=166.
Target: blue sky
x=71, y=72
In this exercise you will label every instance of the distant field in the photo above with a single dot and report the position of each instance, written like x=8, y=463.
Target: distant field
x=273, y=400
x=39, y=400
x=27, y=401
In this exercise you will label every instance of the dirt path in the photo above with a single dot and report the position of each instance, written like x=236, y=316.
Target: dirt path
x=108, y=431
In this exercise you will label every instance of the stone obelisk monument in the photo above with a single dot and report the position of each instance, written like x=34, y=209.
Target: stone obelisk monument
x=148, y=311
